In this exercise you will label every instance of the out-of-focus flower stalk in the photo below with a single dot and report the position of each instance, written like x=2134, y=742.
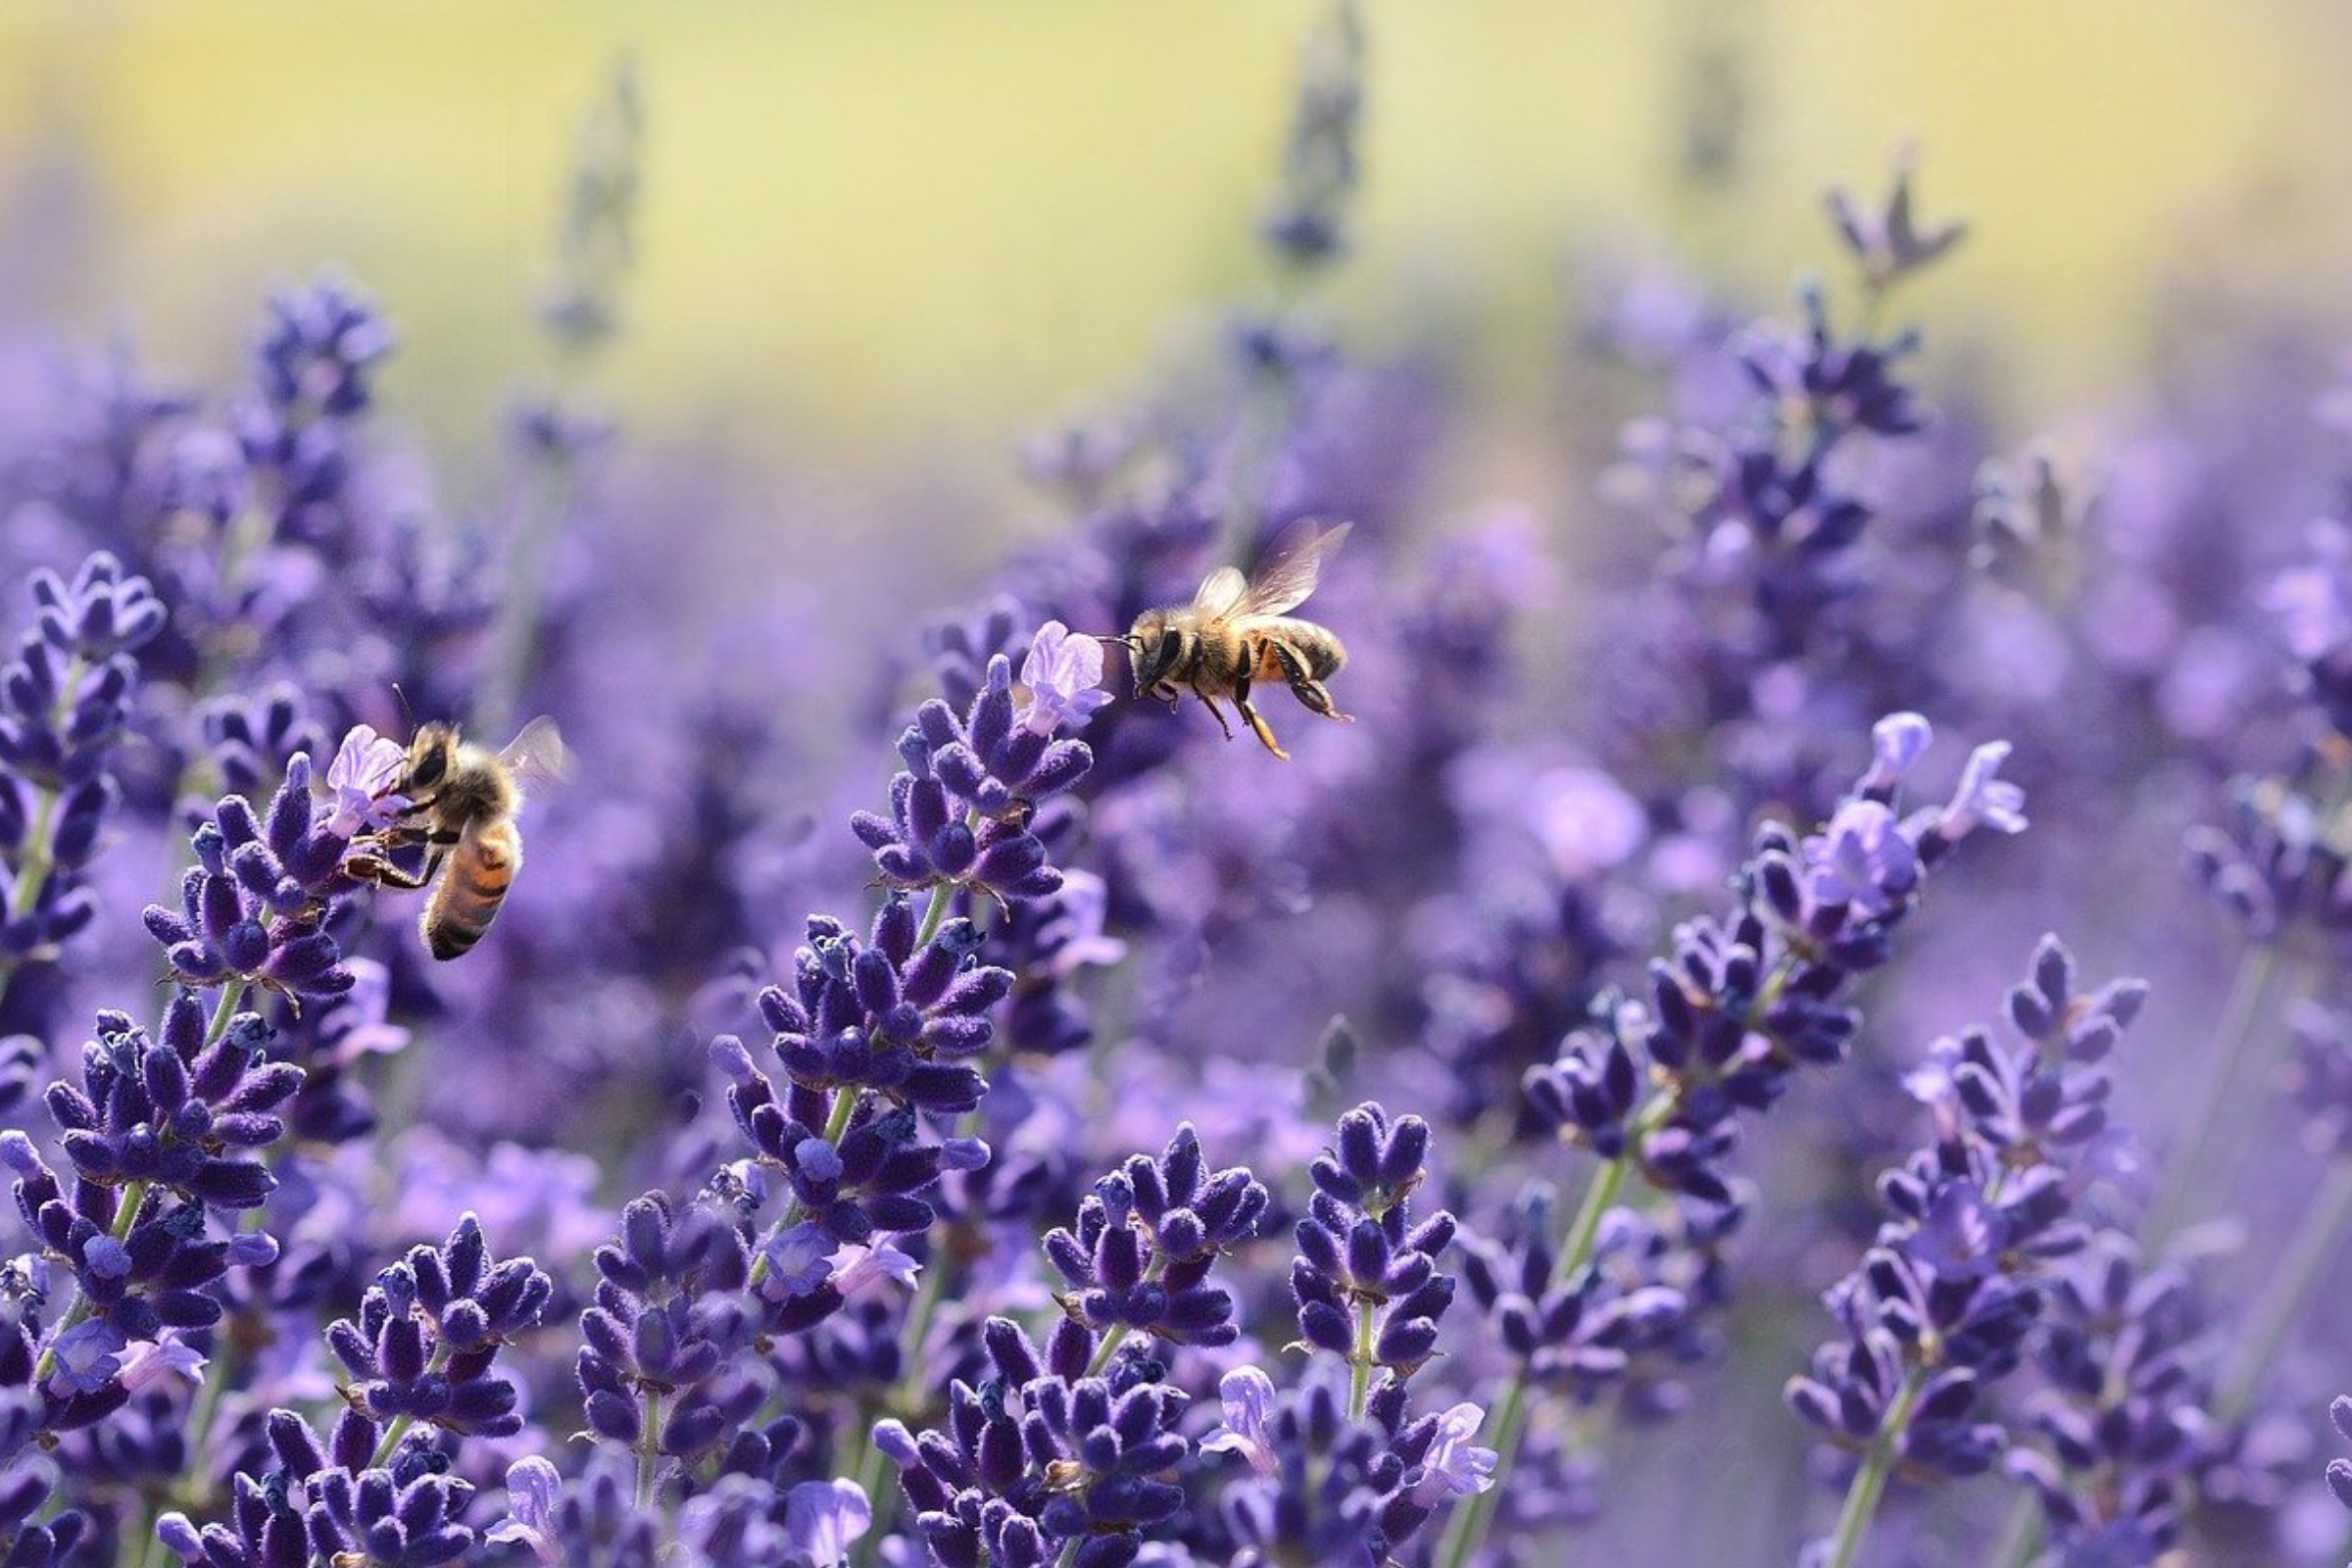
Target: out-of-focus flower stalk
x=581, y=312
x=1472, y=1520
x=2319, y=1235
x=2190, y=1171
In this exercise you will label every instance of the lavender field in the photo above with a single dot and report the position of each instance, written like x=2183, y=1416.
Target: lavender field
x=1738, y=959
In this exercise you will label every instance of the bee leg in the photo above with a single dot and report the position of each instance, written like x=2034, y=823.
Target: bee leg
x=1252, y=652
x=1312, y=694
x=1263, y=730
x=1214, y=712
x=384, y=874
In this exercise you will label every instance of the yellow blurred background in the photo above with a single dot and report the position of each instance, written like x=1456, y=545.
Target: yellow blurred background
x=876, y=226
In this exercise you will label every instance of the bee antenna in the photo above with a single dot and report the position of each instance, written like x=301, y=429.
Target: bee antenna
x=406, y=712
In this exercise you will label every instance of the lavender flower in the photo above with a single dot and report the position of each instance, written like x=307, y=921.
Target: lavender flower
x=1147, y=1240
x=64, y=700
x=1887, y=240
x=1063, y=676
x=960, y=812
x=253, y=907
x=2118, y=1434
x=669, y=1319
x=1947, y=1296
x=1057, y=1455
x=425, y=1344
x=1328, y=1489
x=1366, y=1277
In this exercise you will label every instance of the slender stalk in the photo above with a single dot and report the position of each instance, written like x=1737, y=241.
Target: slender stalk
x=2020, y=1539
x=515, y=627
x=1472, y=1519
x=1870, y=1482
x=649, y=1448
x=2318, y=1235
x=1359, y=1365
x=2188, y=1170
x=935, y=914
x=232, y=997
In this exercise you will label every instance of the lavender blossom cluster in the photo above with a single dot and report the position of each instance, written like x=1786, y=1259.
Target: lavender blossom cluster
x=992, y=1122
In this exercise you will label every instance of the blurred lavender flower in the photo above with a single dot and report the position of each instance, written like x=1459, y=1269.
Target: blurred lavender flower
x=1319, y=169
x=1950, y=1291
x=1886, y=240
x=64, y=700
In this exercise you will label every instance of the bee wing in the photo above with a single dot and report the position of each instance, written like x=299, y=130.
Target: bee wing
x=1290, y=571
x=537, y=756
x=1221, y=592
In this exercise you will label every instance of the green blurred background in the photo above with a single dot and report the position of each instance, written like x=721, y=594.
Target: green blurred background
x=875, y=229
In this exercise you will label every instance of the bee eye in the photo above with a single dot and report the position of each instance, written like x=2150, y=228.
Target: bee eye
x=428, y=767
x=1171, y=642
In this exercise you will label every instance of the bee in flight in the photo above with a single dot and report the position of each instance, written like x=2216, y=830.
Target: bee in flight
x=463, y=800
x=1238, y=633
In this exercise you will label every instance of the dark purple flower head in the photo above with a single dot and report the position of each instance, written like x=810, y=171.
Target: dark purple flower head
x=1623, y=1322
x=1749, y=996
x=961, y=811
x=1147, y=1240
x=1059, y=1452
x=1831, y=384
x=1325, y=1488
x=1945, y=1303
x=1366, y=1277
x=886, y=1015
x=253, y=907
x=247, y=739
x=425, y=1344
x=2119, y=1431
x=666, y=1335
x=318, y=351
x=1320, y=164
x=187, y=1110
x=348, y=1497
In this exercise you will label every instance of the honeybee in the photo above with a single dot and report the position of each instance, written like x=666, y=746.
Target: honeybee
x=463, y=800
x=1235, y=632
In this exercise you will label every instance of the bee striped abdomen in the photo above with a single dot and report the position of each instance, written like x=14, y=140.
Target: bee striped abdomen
x=1316, y=650
x=466, y=899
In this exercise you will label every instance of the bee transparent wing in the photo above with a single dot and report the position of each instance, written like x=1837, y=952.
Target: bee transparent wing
x=1289, y=575
x=537, y=757
x=1221, y=593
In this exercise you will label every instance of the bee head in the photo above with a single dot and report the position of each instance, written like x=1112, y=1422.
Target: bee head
x=429, y=757
x=1155, y=646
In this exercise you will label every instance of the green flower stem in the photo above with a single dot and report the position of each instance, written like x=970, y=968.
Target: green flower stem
x=2190, y=1170
x=1870, y=1482
x=1472, y=1519
x=2318, y=1234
